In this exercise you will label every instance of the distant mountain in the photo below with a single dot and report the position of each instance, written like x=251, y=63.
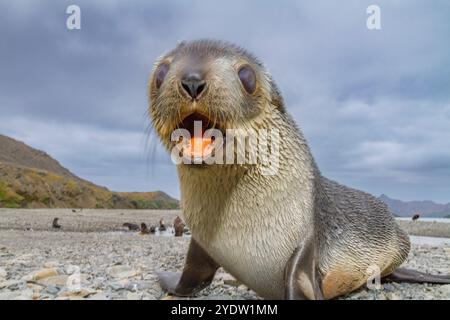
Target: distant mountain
x=424, y=208
x=30, y=178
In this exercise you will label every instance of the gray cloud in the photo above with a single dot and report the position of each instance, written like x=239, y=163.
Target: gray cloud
x=374, y=105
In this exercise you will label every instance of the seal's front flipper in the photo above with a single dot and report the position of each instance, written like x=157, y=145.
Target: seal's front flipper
x=413, y=276
x=169, y=281
x=198, y=272
x=301, y=277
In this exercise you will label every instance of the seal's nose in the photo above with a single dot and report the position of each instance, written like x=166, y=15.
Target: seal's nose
x=193, y=84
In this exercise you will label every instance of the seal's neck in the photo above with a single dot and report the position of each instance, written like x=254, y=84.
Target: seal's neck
x=231, y=196
x=205, y=192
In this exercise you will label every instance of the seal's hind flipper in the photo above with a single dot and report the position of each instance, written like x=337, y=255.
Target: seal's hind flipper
x=413, y=276
x=198, y=272
x=301, y=278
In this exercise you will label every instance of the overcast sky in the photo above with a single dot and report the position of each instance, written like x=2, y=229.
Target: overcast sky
x=374, y=105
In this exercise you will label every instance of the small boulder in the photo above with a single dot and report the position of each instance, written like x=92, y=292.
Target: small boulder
x=41, y=274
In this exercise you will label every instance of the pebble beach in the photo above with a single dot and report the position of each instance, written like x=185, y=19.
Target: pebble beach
x=93, y=256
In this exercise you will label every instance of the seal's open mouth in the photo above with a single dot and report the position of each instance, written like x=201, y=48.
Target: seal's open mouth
x=196, y=120
x=206, y=136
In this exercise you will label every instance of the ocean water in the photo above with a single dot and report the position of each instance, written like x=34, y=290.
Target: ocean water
x=444, y=220
x=431, y=241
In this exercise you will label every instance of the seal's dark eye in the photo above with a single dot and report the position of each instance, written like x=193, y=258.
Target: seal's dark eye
x=248, y=78
x=161, y=73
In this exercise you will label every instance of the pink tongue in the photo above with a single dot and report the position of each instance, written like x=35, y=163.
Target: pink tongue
x=198, y=146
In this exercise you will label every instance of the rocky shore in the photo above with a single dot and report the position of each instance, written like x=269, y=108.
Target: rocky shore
x=92, y=257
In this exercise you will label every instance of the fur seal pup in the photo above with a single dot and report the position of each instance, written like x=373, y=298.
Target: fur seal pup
x=326, y=236
x=162, y=226
x=178, y=226
x=131, y=226
x=55, y=224
x=144, y=229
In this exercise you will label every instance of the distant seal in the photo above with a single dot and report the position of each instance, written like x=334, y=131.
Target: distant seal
x=131, y=226
x=55, y=224
x=327, y=239
x=162, y=226
x=178, y=226
x=144, y=229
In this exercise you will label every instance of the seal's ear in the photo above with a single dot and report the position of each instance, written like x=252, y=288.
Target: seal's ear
x=276, y=98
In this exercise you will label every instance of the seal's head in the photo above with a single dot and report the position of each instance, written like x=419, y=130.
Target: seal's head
x=217, y=83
